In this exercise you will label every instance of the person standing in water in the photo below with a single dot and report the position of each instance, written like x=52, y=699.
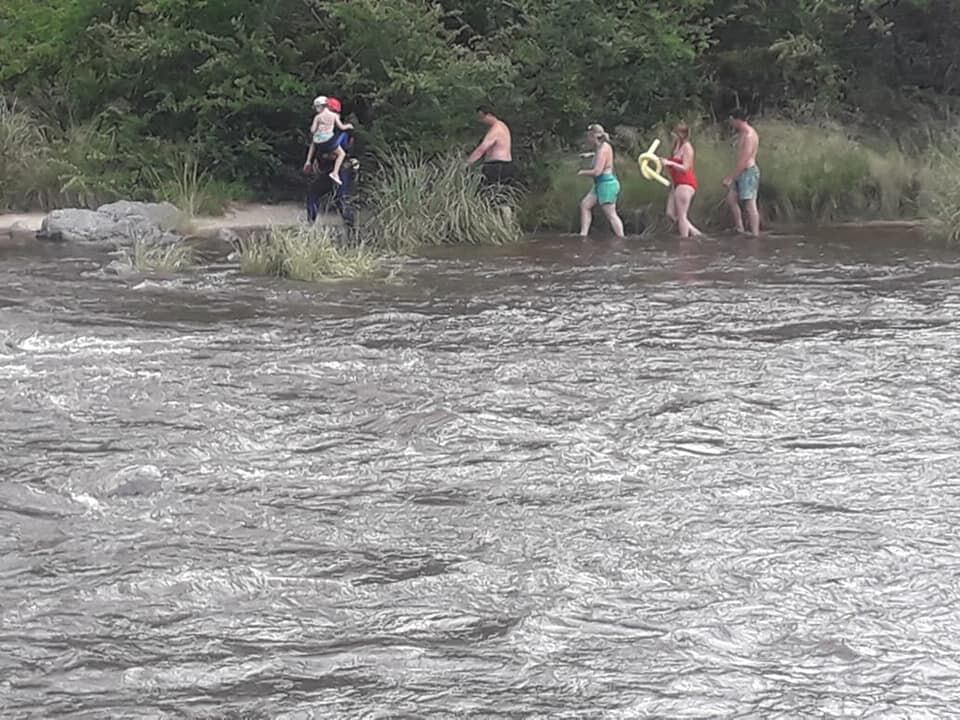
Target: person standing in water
x=744, y=183
x=681, y=168
x=606, y=187
x=495, y=149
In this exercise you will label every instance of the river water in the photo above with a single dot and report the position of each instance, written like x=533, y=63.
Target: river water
x=659, y=480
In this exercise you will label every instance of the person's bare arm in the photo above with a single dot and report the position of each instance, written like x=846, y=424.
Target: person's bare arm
x=342, y=125
x=488, y=142
x=602, y=160
x=686, y=155
x=309, y=162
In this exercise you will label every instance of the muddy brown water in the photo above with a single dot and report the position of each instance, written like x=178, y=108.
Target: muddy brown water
x=650, y=480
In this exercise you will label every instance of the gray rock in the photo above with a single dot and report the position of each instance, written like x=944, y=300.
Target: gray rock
x=163, y=215
x=120, y=225
x=73, y=225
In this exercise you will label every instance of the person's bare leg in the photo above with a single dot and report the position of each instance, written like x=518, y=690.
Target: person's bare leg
x=753, y=215
x=684, y=196
x=671, y=205
x=335, y=174
x=616, y=224
x=586, y=212
x=733, y=200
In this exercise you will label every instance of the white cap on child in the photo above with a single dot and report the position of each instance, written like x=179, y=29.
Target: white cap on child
x=319, y=102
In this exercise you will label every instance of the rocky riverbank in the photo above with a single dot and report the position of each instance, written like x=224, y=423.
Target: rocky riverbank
x=124, y=223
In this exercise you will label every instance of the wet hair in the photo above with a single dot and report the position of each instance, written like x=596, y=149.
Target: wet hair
x=596, y=130
x=738, y=113
x=484, y=110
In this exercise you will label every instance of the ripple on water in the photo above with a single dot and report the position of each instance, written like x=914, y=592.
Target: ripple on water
x=644, y=481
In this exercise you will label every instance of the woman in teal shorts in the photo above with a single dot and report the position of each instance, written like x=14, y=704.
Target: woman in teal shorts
x=606, y=187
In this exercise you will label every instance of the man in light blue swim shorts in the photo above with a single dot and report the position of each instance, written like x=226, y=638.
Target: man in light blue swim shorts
x=744, y=183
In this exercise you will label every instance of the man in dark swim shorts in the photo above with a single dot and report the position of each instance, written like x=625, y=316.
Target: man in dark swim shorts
x=495, y=150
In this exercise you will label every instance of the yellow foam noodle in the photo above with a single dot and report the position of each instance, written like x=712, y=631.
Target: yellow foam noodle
x=650, y=158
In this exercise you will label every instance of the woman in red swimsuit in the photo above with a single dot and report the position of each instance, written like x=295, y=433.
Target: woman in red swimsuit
x=680, y=166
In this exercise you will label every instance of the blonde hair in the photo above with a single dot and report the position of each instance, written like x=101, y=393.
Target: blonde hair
x=596, y=130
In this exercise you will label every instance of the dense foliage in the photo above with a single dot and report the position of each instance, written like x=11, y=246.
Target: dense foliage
x=231, y=81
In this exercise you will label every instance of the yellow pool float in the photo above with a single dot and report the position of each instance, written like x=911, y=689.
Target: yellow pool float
x=649, y=158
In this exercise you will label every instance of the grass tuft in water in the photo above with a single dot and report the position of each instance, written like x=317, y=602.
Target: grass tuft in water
x=309, y=253
x=418, y=202
x=174, y=257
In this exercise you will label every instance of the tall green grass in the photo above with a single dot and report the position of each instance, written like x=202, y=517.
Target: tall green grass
x=940, y=187
x=42, y=167
x=22, y=148
x=182, y=180
x=419, y=202
x=308, y=253
x=809, y=173
x=826, y=174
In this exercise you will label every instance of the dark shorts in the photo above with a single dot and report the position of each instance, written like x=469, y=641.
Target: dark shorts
x=498, y=172
x=338, y=140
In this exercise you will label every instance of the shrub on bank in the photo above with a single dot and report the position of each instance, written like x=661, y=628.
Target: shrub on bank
x=417, y=202
x=308, y=253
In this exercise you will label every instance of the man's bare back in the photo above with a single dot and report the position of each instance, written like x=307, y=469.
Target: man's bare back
x=495, y=150
x=498, y=137
x=496, y=145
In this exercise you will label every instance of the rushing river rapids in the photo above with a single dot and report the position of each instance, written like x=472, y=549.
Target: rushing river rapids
x=662, y=480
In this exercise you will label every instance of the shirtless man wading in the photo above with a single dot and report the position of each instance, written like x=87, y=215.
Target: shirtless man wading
x=494, y=150
x=744, y=183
